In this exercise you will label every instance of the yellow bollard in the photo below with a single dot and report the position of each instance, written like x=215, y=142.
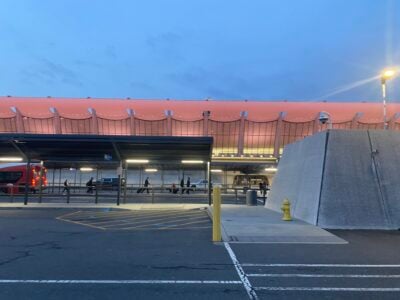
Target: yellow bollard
x=286, y=210
x=216, y=214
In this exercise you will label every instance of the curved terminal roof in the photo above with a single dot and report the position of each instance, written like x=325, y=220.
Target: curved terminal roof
x=77, y=108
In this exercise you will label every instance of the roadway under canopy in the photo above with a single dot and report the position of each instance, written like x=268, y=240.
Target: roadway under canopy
x=61, y=149
x=65, y=151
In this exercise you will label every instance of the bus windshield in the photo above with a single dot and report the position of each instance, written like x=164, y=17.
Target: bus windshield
x=10, y=177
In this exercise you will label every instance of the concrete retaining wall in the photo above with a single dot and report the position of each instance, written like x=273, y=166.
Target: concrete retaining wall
x=299, y=178
x=348, y=179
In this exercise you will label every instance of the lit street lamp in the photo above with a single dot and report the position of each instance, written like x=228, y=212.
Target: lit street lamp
x=386, y=74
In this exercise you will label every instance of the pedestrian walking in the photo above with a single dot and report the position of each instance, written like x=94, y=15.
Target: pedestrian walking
x=66, y=187
x=146, y=185
x=182, y=184
x=188, y=185
x=89, y=185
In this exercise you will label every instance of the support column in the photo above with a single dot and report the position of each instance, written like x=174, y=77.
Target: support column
x=206, y=116
x=393, y=120
x=243, y=117
x=27, y=181
x=40, y=182
x=57, y=120
x=119, y=170
x=95, y=128
x=168, y=114
x=131, y=114
x=18, y=119
x=209, y=182
x=278, y=134
x=126, y=181
x=354, y=122
x=96, y=190
x=316, y=124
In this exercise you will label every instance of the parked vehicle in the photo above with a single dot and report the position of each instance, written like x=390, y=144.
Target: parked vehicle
x=202, y=184
x=249, y=181
x=110, y=183
x=13, y=177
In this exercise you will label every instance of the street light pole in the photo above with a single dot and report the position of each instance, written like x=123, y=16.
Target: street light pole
x=384, y=99
x=386, y=74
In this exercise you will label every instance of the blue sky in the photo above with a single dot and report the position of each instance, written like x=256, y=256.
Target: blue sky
x=180, y=49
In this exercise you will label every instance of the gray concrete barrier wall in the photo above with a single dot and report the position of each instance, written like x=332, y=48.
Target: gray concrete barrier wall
x=299, y=178
x=387, y=158
x=350, y=196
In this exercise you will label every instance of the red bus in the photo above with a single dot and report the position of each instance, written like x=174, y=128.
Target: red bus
x=13, y=177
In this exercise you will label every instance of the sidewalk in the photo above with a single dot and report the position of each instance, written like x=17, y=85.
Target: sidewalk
x=256, y=224
x=134, y=206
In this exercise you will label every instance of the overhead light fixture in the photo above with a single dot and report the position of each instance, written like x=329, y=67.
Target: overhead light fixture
x=271, y=169
x=150, y=170
x=192, y=161
x=216, y=170
x=388, y=74
x=86, y=169
x=11, y=158
x=137, y=161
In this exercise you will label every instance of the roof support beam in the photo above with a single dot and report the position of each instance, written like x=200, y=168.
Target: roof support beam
x=116, y=151
x=94, y=128
x=243, y=117
x=278, y=134
x=392, y=121
x=168, y=113
x=22, y=153
x=131, y=114
x=18, y=118
x=57, y=120
x=354, y=121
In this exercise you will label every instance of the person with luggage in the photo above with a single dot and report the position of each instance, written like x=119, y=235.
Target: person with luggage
x=182, y=184
x=89, y=185
x=188, y=185
x=146, y=185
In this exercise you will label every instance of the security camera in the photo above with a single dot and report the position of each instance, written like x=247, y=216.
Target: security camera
x=323, y=117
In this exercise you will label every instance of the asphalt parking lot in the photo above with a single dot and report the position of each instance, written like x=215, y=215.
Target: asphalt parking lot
x=167, y=254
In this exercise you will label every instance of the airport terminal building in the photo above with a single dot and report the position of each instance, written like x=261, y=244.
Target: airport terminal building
x=241, y=130
x=241, y=141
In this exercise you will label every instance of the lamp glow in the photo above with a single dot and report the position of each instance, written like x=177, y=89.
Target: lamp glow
x=271, y=169
x=216, y=170
x=10, y=159
x=192, y=161
x=388, y=74
x=150, y=170
x=86, y=169
x=137, y=161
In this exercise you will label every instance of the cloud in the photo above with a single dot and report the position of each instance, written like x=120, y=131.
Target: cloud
x=49, y=72
x=87, y=63
x=167, y=47
x=223, y=82
x=162, y=40
x=111, y=52
x=142, y=86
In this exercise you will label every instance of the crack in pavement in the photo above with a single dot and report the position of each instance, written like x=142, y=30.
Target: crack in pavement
x=23, y=254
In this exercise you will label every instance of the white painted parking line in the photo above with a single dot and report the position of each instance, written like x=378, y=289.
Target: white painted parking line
x=159, y=221
x=325, y=275
x=72, y=281
x=141, y=218
x=322, y=265
x=242, y=275
x=327, y=289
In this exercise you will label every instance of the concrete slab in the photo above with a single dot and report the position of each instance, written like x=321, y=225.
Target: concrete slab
x=256, y=224
x=136, y=206
x=300, y=169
